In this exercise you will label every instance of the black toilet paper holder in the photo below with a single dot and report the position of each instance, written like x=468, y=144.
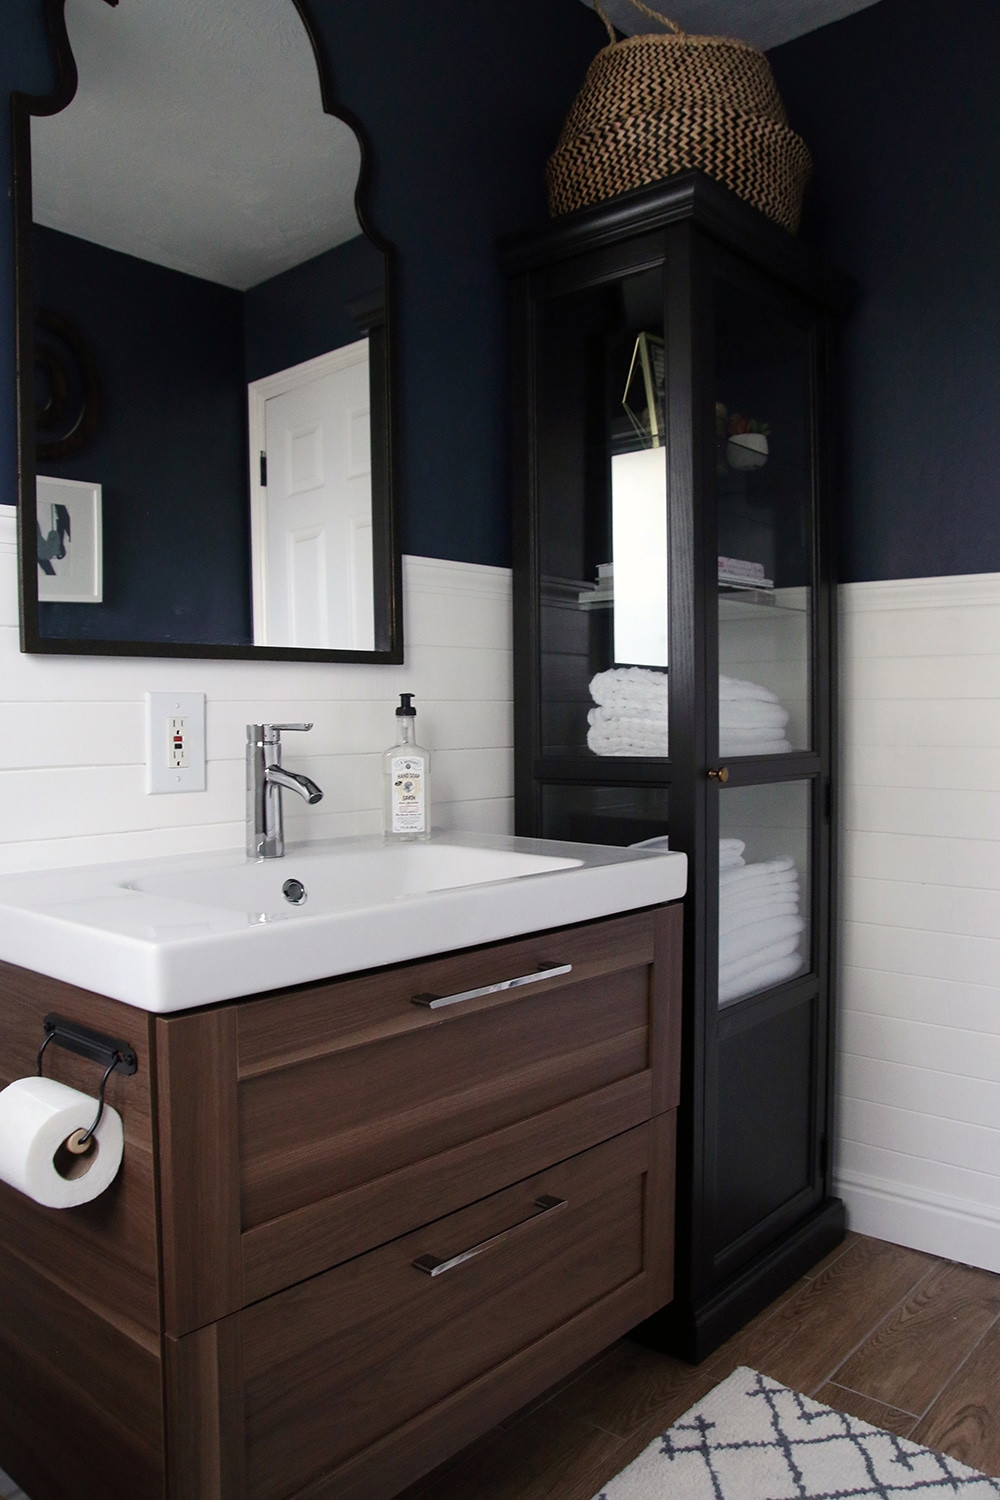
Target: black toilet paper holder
x=114, y=1056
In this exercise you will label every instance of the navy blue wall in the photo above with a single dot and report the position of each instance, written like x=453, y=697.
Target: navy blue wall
x=462, y=104
x=170, y=447
x=900, y=105
x=305, y=312
x=25, y=65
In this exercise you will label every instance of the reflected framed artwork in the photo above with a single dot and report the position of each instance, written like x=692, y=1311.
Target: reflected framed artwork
x=70, y=547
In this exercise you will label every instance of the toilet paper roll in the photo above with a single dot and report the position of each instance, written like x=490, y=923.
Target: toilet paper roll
x=37, y=1118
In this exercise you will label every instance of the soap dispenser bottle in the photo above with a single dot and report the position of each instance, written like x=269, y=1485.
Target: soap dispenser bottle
x=406, y=777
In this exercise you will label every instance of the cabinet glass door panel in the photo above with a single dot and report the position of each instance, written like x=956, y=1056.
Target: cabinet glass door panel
x=765, y=863
x=603, y=534
x=764, y=492
x=604, y=814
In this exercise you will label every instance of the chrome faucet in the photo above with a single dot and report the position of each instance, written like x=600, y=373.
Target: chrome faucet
x=266, y=777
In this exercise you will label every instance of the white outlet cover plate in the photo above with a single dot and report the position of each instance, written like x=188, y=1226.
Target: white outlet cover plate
x=160, y=775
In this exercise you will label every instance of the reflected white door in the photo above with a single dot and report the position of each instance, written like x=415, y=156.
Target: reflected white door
x=312, y=512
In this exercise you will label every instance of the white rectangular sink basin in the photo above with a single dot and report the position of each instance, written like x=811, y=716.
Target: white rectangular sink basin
x=168, y=934
x=343, y=879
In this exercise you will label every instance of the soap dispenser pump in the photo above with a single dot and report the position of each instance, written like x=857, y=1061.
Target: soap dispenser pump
x=406, y=777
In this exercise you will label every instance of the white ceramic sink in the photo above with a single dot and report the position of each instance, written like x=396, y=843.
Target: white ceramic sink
x=167, y=934
x=343, y=877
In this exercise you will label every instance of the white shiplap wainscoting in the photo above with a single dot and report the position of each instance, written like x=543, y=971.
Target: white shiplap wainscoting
x=72, y=741
x=919, y=1032
x=918, y=1157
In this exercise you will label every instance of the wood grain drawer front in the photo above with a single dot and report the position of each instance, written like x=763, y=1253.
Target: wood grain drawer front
x=342, y=1120
x=333, y=1366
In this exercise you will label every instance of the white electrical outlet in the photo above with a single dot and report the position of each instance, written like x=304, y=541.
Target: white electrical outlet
x=175, y=742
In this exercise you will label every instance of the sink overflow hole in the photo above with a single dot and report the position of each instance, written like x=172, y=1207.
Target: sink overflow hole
x=294, y=891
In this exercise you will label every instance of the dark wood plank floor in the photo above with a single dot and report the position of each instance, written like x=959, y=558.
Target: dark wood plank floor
x=902, y=1339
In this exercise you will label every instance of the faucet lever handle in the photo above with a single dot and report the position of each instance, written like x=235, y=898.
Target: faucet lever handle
x=269, y=734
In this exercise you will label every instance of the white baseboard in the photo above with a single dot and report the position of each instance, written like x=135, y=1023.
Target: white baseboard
x=956, y=1230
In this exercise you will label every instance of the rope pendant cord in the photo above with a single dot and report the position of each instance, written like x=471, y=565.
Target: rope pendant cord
x=647, y=10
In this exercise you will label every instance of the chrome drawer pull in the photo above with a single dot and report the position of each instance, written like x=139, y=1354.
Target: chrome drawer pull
x=434, y=1266
x=544, y=971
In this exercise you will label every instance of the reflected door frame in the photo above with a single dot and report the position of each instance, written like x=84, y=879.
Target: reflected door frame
x=259, y=392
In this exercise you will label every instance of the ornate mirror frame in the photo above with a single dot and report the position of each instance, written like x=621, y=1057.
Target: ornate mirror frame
x=388, y=612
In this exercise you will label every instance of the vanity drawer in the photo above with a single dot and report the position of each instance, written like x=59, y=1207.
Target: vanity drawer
x=345, y=1113
x=379, y=1367
x=405, y=1111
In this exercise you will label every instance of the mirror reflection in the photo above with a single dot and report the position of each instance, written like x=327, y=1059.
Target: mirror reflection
x=209, y=326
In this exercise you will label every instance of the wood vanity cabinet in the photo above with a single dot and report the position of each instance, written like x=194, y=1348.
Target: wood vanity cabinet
x=352, y=1229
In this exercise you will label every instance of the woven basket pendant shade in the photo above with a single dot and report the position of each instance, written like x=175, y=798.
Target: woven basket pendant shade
x=651, y=106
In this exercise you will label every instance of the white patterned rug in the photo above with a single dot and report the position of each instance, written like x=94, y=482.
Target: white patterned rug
x=753, y=1439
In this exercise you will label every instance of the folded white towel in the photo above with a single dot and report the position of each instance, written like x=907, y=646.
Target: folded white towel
x=628, y=737
x=746, y=714
x=760, y=978
x=731, y=854
x=610, y=713
x=751, y=718
x=613, y=703
x=735, y=688
x=743, y=915
x=629, y=684
x=732, y=742
x=752, y=961
x=756, y=938
x=760, y=887
x=745, y=898
x=639, y=682
x=762, y=869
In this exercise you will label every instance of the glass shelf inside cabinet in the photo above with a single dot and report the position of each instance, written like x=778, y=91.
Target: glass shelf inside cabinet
x=736, y=600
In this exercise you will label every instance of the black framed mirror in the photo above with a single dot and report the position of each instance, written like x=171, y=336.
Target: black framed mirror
x=204, y=344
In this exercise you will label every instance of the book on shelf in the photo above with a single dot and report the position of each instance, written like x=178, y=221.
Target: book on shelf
x=739, y=581
x=739, y=567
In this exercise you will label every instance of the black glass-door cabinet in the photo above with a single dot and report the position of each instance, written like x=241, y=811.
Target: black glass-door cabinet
x=674, y=672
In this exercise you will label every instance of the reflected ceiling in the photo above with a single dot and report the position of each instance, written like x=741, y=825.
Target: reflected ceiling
x=264, y=179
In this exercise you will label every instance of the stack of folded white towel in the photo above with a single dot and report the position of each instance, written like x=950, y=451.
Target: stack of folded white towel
x=751, y=719
x=630, y=715
x=759, y=923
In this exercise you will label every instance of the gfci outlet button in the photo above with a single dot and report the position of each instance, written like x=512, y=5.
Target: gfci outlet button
x=175, y=742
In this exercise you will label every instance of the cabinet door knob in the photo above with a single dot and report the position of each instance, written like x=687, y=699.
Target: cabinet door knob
x=719, y=773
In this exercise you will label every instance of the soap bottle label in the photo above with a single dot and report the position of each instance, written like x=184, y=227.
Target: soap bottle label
x=408, y=794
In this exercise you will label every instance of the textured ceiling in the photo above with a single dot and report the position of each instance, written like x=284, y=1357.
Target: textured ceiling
x=764, y=22
x=197, y=139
